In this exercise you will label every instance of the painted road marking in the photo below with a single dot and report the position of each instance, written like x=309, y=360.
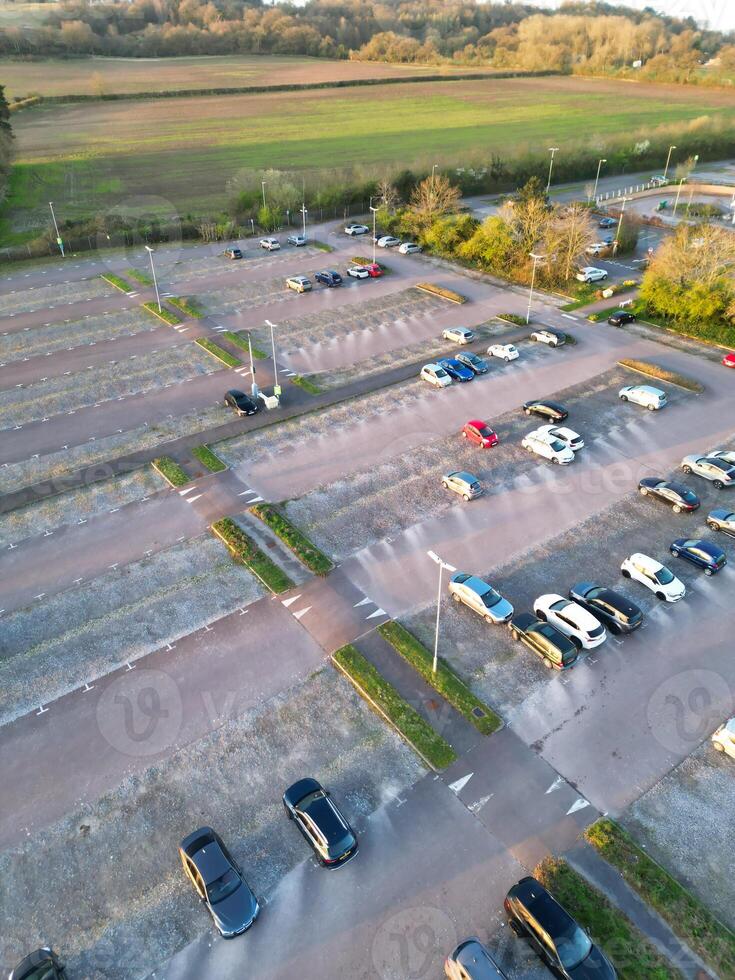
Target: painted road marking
x=289, y=602
x=378, y=612
x=459, y=784
x=559, y=781
x=301, y=612
x=362, y=602
x=186, y=490
x=579, y=804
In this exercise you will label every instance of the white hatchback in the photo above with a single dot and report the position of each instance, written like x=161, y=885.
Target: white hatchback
x=571, y=439
x=435, y=375
x=388, y=241
x=358, y=272
x=356, y=229
x=506, y=352
x=548, y=447
x=571, y=619
x=655, y=576
x=409, y=248
x=645, y=395
x=270, y=244
x=591, y=274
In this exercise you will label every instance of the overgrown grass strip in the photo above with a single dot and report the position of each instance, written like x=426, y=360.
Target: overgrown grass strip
x=448, y=294
x=219, y=352
x=117, y=281
x=445, y=681
x=208, y=458
x=630, y=952
x=322, y=246
x=385, y=699
x=170, y=471
x=241, y=340
x=363, y=260
x=142, y=277
x=302, y=381
x=686, y=915
x=187, y=306
x=661, y=374
x=307, y=552
x=512, y=318
x=245, y=550
x=168, y=316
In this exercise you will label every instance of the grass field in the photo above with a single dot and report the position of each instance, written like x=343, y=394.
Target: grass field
x=185, y=153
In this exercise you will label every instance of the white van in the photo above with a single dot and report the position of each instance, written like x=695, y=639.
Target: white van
x=645, y=395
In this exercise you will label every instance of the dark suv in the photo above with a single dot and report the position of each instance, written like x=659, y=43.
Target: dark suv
x=321, y=822
x=619, y=613
x=41, y=964
x=240, y=402
x=329, y=278
x=555, y=649
x=559, y=941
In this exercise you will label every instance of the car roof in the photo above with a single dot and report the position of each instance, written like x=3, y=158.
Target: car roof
x=723, y=513
x=478, y=585
x=473, y=954
x=326, y=816
x=544, y=908
x=640, y=559
x=236, y=393
x=463, y=475
x=478, y=423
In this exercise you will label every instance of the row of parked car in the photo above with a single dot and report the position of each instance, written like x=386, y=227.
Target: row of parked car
x=331, y=278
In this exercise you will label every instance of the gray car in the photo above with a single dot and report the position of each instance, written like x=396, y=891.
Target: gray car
x=472, y=961
x=722, y=519
x=719, y=471
x=481, y=597
x=465, y=484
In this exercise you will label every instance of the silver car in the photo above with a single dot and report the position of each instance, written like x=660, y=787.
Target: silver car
x=714, y=468
x=722, y=519
x=465, y=484
x=480, y=597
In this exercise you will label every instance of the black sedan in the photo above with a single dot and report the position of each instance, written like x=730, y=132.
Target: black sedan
x=676, y=495
x=240, y=402
x=705, y=555
x=620, y=317
x=616, y=611
x=722, y=520
x=555, y=649
x=328, y=278
x=546, y=409
x=41, y=964
x=473, y=362
x=218, y=881
x=320, y=821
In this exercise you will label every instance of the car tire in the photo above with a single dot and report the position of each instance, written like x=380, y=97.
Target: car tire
x=708, y=571
x=718, y=747
x=529, y=449
x=623, y=398
x=625, y=573
x=718, y=484
x=661, y=596
x=713, y=526
x=676, y=509
x=643, y=491
x=515, y=634
x=490, y=620
x=614, y=629
x=576, y=641
x=674, y=552
x=465, y=497
x=515, y=927
x=528, y=411
x=540, y=615
x=445, y=484
x=554, y=459
x=651, y=408
x=687, y=470
x=464, y=435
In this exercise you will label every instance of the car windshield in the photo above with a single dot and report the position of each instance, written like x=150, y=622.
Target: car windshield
x=485, y=430
x=490, y=598
x=440, y=373
x=474, y=359
x=574, y=945
x=597, y=631
x=223, y=887
x=556, y=445
x=690, y=496
x=664, y=576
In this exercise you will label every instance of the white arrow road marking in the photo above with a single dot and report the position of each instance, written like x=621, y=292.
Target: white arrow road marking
x=559, y=781
x=186, y=490
x=569, y=316
x=301, y=612
x=378, y=612
x=288, y=602
x=479, y=804
x=256, y=500
x=460, y=784
x=362, y=602
x=190, y=500
x=578, y=804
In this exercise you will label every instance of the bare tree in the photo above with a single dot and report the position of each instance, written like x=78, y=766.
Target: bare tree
x=433, y=198
x=388, y=195
x=569, y=234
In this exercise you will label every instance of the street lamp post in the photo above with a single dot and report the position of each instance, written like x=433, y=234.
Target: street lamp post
x=254, y=385
x=678, y=192
x=620, y=222
x=303, y=215
x=597, y=178
x=552, y=151
x=536, y=258
x=149, y=250
x=276, y=388
x=668, y=161
x=433, y=175
x=375, y=211
x=450, y=568
x=262, y=187
x=59, y=242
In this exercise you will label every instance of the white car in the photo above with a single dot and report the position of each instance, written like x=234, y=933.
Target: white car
x=506, y=352
x=435, y=375
x=358, y=272
x=724, y=738
x=658, y=180
x=548, y=447
x=459, y=335
x=727, y=454
x=550, y=337
x=571, y=439
x=591, y=274
x=571, y=619
x=645, y=395
x=408, y=248
x=714, y=468
x=597, y=248
x=356, y=229
x=388, y=241
x=655, y=576
x=271, y=244
x=297, y=240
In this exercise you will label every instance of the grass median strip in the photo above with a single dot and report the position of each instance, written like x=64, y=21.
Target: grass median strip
x=632, y=955
x=208, y=458
x=307, y=384
x=245, y=550
x=684, y=913
x=168, y=316
x=445, y=681
x=219, y=352
x=448, y=294
x=435, y=750
x=322, y=246
x=187, y=306
x=170, y=471
x=314, y=559
x=520, y=321
x=142, y=277
x=661, y=374
x=117, y=281
x=241, y=340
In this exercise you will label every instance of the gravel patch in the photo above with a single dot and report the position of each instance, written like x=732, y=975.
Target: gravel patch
x=42, y=297
x=61, y=336
x=86, y=502
x=130, y=376
x=132, y=906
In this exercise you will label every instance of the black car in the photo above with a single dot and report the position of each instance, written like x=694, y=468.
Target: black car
x=619, y=613
x=218, y=881
x=607, y=222
x=41, y=964
x=619, y=317
x=473, y=362
x=676, y=495
x=546, y=409
x=555, y=649
x=329, y=277
x=709, y=557
x=556, y=937
x=233, y=253
x=240, y=402
x=471, y=960
x=722, y=520
x=321, y=822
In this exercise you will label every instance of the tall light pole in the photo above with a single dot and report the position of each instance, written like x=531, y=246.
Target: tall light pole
x=149, y=250
x=536, y=258
x=450, y=568
x=617, y=230
x=375, y=211
x=668, y=161
x=597, y=178
x=433, y=175
x=678, y=192
x=303, y=215
x=552, y=151
x=59, y=242
x=262, y=187
x=276, y=388
x=254, y=385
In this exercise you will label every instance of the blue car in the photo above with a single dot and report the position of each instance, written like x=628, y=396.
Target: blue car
x=703, y=554
x=456, y=369
x=473, y=362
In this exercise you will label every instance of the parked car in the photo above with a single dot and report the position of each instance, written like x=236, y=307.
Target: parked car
x=321, y=822
x=459, y=335
x=558, y=940
x=546, y=409
x=465, y=484
x=583, y=629
x=723, y=738
x=555, y=649
x=506, y=352
x=456, y=369
x=233, y=253
x=617, y=612
x=297, y=240
x=473, y=362
x=717, y=470
x=590, y=274
x=658, y=180
x=218, y=881
x=676, y=495
x=480, y=433
x=388, y=241
x=547, y=447
x=328, y=277
x=358, y=272
x=300, y=284
x=727, y=454
x=597, y=248
x=356, y=229
x=722, y=520
x=375, y=270
x=409, y=248
x=240, y=402
x=481, y=597
x=705, y=555
x=645, y=395
x=729, y=360
x=472, y=961
x=41, y=964
x=571, y=439
x=655, y=576
x=620, y=317
x=551, y=337
x=270, y=244
x=607, y=222
x=435, y=375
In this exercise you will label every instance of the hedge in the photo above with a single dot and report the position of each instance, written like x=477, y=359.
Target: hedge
x=186, y=306
x=307, y=384
x=661, y=374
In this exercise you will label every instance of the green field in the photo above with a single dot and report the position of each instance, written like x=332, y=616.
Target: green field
x=185, y=154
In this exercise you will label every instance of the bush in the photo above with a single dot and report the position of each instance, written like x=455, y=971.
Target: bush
x=512, y=318
x=241, y=340
x=186, y=306
x=302, y=381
